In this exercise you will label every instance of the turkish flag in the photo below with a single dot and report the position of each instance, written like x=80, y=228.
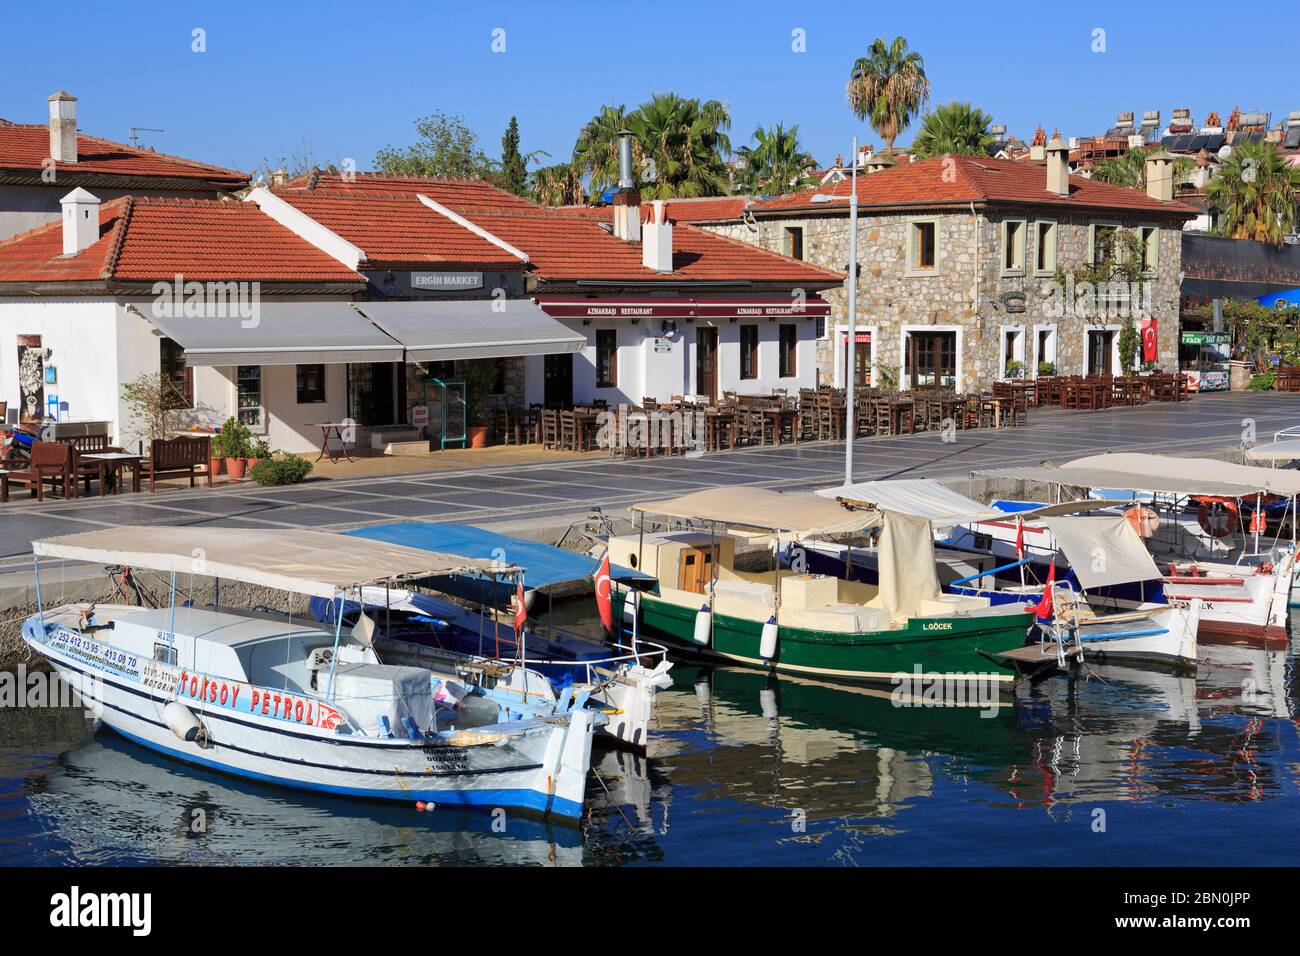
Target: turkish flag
x=1044, y=606
x=1020, y=539
x=1150, y=345
x=521, y=613
x=602, y=594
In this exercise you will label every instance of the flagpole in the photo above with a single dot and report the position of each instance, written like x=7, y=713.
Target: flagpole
x=851, y=369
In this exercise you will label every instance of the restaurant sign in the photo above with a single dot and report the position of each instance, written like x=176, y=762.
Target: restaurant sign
x=446, y=281
x=725, y=307
x=1206, y=338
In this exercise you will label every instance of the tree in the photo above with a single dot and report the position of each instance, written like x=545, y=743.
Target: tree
x=513, y=176
x=1255, y=193
x=957, y=129
x=446, y=148
x=1130, y=169
x=595, y=154
x=888, y=87
x=776, y=163
x=558, y=185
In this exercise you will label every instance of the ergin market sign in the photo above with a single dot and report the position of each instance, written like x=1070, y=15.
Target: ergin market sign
x=446, y=281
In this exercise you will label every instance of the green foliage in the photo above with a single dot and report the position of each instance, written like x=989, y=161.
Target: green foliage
x=888, y=87
x=1128, y=344
x=886, y=375
x=446, y=147
x=157, y=407
x=956, y=129
x=235, y=440
x=289, y=470
x=1046, y=368
x=513, y=176
x=776, y=164
x=1260, y=333
x=1130, y=169
x=261, y=449
x=558, y=185
x=1255, y=193
x=480, y=376
x=1015, y=368
x=1261, y=383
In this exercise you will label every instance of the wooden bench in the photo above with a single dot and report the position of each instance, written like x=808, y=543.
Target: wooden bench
x=51, y=461
x=93, y=444
x=176, y=458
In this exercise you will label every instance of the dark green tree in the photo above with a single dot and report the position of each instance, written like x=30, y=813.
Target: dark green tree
x=513, y=175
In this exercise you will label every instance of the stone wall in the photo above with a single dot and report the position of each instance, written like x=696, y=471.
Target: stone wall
x=963, y=290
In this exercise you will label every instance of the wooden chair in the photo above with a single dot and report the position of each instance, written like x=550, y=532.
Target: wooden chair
x=550, y=428
x=51, y=461
x=568, y=431
x=177, y=458
x=88, y=445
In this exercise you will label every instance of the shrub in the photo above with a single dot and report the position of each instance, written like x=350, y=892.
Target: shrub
x=288, y=470
x=236, y=439
x=1046, y=368
x=1261, y=383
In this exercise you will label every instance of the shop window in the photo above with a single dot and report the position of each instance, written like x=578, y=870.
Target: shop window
x=248, y=394
x=787, y=339
x=749, y=351
x=311, y=384
x=177, y=378
x=606, y=358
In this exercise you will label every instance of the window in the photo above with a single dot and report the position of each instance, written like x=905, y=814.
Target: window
x=821, y=326
x=1013, y=352
x=177, y=378
x=749, y=351
x=311, y=384
x=1013, y=246
x=794, y=242
x=606, y=358
x=1045, y=248
x=1150, y=236
x=1103, y=242
x=788, y=337
x=248, y=392
x=922, y=246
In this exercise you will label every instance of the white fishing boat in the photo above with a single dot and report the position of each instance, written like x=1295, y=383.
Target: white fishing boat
x=277, y=698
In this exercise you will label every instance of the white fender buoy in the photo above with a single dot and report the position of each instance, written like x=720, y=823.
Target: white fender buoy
x=767, y=643
x=181, y=721
x=631, y=604
x=703, y=626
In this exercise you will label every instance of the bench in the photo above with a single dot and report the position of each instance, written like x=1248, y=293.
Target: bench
x=50, y=462
x=93, y=444
x=176, y=458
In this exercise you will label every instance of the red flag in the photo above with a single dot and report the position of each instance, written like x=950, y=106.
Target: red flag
x=521, y=613
x=602, y=594
x=1150, y=341
x=1044, y=606
x=1020, y=538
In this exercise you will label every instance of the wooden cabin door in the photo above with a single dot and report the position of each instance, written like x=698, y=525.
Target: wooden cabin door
x=696, y=570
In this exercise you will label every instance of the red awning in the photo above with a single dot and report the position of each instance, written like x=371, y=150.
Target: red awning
x=683, y=307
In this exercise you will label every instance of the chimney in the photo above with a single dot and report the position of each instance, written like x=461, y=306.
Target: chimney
x=279, y=178
x=1058, y=166
x=80, y=221
x=878, y=162
x=627, y=201
x=1160, y=176
x=657, y=239
x=1038, y=145
x=63, y=127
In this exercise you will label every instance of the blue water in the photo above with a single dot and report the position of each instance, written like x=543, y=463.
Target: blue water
x=1126, y=768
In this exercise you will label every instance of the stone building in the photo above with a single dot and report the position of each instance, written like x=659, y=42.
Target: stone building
x=967, y=267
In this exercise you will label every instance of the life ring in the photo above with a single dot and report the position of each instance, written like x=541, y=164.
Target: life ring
x=1216, y=515
x=1144, y=520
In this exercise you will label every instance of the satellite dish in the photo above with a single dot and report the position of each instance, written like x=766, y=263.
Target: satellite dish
x=1224, y=151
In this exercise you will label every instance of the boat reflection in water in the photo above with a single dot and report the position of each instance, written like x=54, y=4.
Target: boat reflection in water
x=111, y=802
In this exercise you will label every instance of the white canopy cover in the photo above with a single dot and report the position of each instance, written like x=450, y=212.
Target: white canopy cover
x=435, y=330
x=1280, y=482
x=1103, y=551
x=906, y=562
x=318, y=563
x=1287, y=450
x=922, y=497
x=763, y=509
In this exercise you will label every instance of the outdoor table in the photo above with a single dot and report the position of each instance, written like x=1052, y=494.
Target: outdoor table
x=110, y=465
x=717, y=426
x=332, y=430
x=780, y=417
x=521, y=421
x=585, y=426
x=896, y=409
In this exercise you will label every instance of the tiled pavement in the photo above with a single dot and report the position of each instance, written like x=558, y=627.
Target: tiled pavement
x=559, y=490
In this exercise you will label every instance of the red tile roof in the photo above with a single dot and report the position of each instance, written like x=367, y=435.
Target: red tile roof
x=563, y=247
x=452, y=193
x=933, y=182
x=705, y=209
x=398, y=229
x=24, y=147
x=147, y=239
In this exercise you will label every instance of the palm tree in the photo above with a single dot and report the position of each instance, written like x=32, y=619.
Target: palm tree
x=558, y=185
x=682, y=145
x=887, y=87
x=1130, y=169
x=595, y=154
x=954, y=128
x=1255, y=193
x=776, y=163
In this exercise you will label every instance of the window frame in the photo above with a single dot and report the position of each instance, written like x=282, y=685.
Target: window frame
x=751, y=354
x=788, y=235
x=1142, y=227
x=608, y=353
x=1038, y=244
x=914, y=269
x=1017, y=269
x=187, y=386
x=298, y=386
x=1092, y=237
x=787, y=358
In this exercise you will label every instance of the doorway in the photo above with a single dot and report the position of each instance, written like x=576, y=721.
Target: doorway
x=696, y=570
x=861, y=359
x=1101, y=343
x=557, y=377
x=706, y=363
x=372, y=393
x=931, y=359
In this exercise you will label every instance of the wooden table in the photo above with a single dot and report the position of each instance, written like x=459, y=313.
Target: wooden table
x=4, y=485
x=779, y=417
x=717, y=425
x=111, y=465
x=332, y=430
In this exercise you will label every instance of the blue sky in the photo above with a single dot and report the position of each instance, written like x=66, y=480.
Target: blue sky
x=338, y=80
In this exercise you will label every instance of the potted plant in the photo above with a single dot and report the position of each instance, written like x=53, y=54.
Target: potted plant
x=216, y=454
x=236, y=442
x=480, y=377
x=1046, y=368
x=260, y=452
x=1015, y=368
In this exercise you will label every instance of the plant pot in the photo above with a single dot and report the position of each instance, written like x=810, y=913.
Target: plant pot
x=251, y=463
x=478, y=436
x=216, y=466
x=235, y=468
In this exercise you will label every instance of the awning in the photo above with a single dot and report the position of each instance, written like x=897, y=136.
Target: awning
x=1212, y=469
x=281, y=333
x=1103, y=551
x=318, y=563
x=1288, y=450
x=764, y=510
x=472, y=329
x=1121, y=481
x=921, y=497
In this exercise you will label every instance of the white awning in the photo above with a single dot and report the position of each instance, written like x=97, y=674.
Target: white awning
x=318, y=563
x=763, y=509
x=1103, y=551
x=1110, y=480
x=1277, y=481
x=472, y=329
x=280, y=333
x=921, y=497
x=1288, y=450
